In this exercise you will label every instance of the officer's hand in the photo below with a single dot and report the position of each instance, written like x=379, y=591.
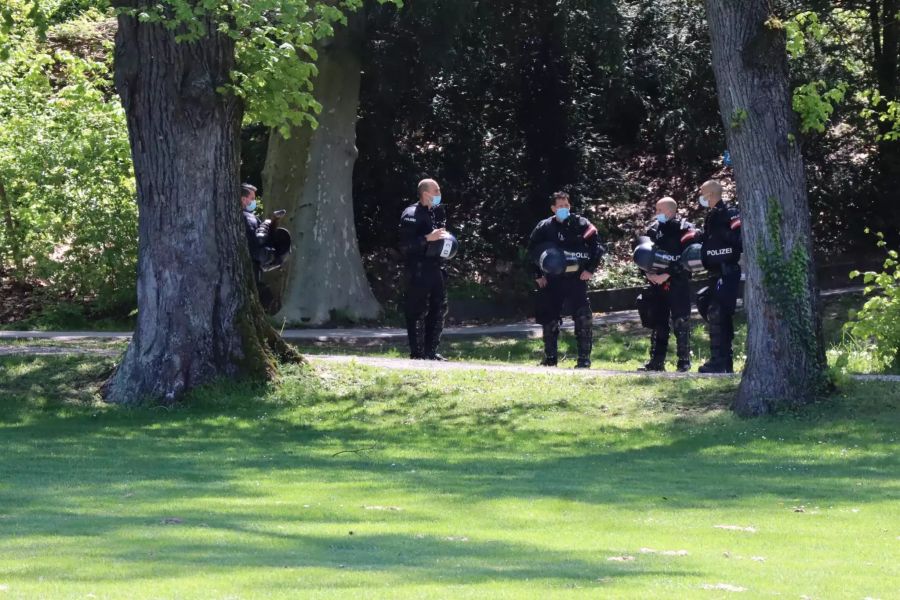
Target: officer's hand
x=541, y=282
x=586, y=275
x=262, y=232
x=437, y=234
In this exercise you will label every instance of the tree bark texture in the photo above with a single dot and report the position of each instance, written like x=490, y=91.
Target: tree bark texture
x=198, y=315
x=785, y=355
x=311, y=175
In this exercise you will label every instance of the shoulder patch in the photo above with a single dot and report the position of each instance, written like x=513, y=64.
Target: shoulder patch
x=688, y=236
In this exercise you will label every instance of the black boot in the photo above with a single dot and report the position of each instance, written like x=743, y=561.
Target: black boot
x=719, y=357
x=551, y=341
x=584, y=335
x=434, y=326
x=415, y=333
x=682, y=328
x=659, y=347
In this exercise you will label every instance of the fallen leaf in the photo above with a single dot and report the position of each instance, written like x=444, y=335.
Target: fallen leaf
x=392, y=508
x=457, y=538
x=675, y=553
x=725, y=587
x=758, y=558
x=172, y=521
x=4, y=587
x=625, y=558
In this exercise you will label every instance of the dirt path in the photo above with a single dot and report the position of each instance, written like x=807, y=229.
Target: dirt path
x=405, y=364
x=369, y=334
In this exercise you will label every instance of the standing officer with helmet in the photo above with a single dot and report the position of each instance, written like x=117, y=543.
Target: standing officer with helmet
x=426, y=246
x=565, y=252
x=721, y=251
x=669, y=293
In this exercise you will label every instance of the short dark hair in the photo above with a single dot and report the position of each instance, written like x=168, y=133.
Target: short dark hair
x=246, y=189
x=425, y=186
x=559, y=196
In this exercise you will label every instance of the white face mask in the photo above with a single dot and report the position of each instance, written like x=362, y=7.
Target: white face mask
x=704, y=202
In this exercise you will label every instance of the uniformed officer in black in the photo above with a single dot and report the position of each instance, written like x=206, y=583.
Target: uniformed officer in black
x=579, y=239
x=669, y=294
x=722, y=248
x=252, y=227
x=426, y=292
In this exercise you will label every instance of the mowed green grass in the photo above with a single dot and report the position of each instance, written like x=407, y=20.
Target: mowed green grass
x=624, y=346
x=349, y=482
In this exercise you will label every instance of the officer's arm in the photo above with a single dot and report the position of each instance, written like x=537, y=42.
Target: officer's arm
x=534, y=241
x=411, y=243
x=734, y=231
x=689, y=234
x=595, y=248
x=257, y=249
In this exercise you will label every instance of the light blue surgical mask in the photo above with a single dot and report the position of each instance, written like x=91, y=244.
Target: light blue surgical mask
x=704, y=202
x=662, y=218
x=562, y=214
x=251, y=207
x=435, y=201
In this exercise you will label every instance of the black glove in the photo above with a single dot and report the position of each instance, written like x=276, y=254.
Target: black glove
x=262, y=232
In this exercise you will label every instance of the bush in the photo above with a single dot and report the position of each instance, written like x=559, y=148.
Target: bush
x=69, y=215
x=879, y=318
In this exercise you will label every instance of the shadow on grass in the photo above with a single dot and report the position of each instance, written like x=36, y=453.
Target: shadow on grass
x=66, y=464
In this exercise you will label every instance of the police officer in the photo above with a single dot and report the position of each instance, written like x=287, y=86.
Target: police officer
x=669, y=294
x=252, y=227
x=580, y=242
x=426, y=292
x=722, y=247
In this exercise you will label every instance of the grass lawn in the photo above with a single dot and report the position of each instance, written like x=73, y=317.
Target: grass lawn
x=623, y=347
x=347, y=482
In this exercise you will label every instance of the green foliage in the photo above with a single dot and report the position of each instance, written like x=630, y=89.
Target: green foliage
x=814, y=101
x=797, y=28
x=274, y=48
x=815, y=104
x=69, y=215
x=739, y=117
x=617, y=273
x=882, y=110
x=879, y=318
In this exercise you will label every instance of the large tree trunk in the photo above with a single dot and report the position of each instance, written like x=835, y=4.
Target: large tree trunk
x=884, y=17
x=198, y=316
x=785, y=355
x=311, y=175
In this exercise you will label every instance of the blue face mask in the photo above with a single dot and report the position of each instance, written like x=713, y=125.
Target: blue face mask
x=704, y=202
x=562, y=214
x=251, y=207
x=435, y=201
x=662, y=218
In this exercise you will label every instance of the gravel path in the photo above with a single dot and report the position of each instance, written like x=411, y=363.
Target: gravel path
x=405, y=364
